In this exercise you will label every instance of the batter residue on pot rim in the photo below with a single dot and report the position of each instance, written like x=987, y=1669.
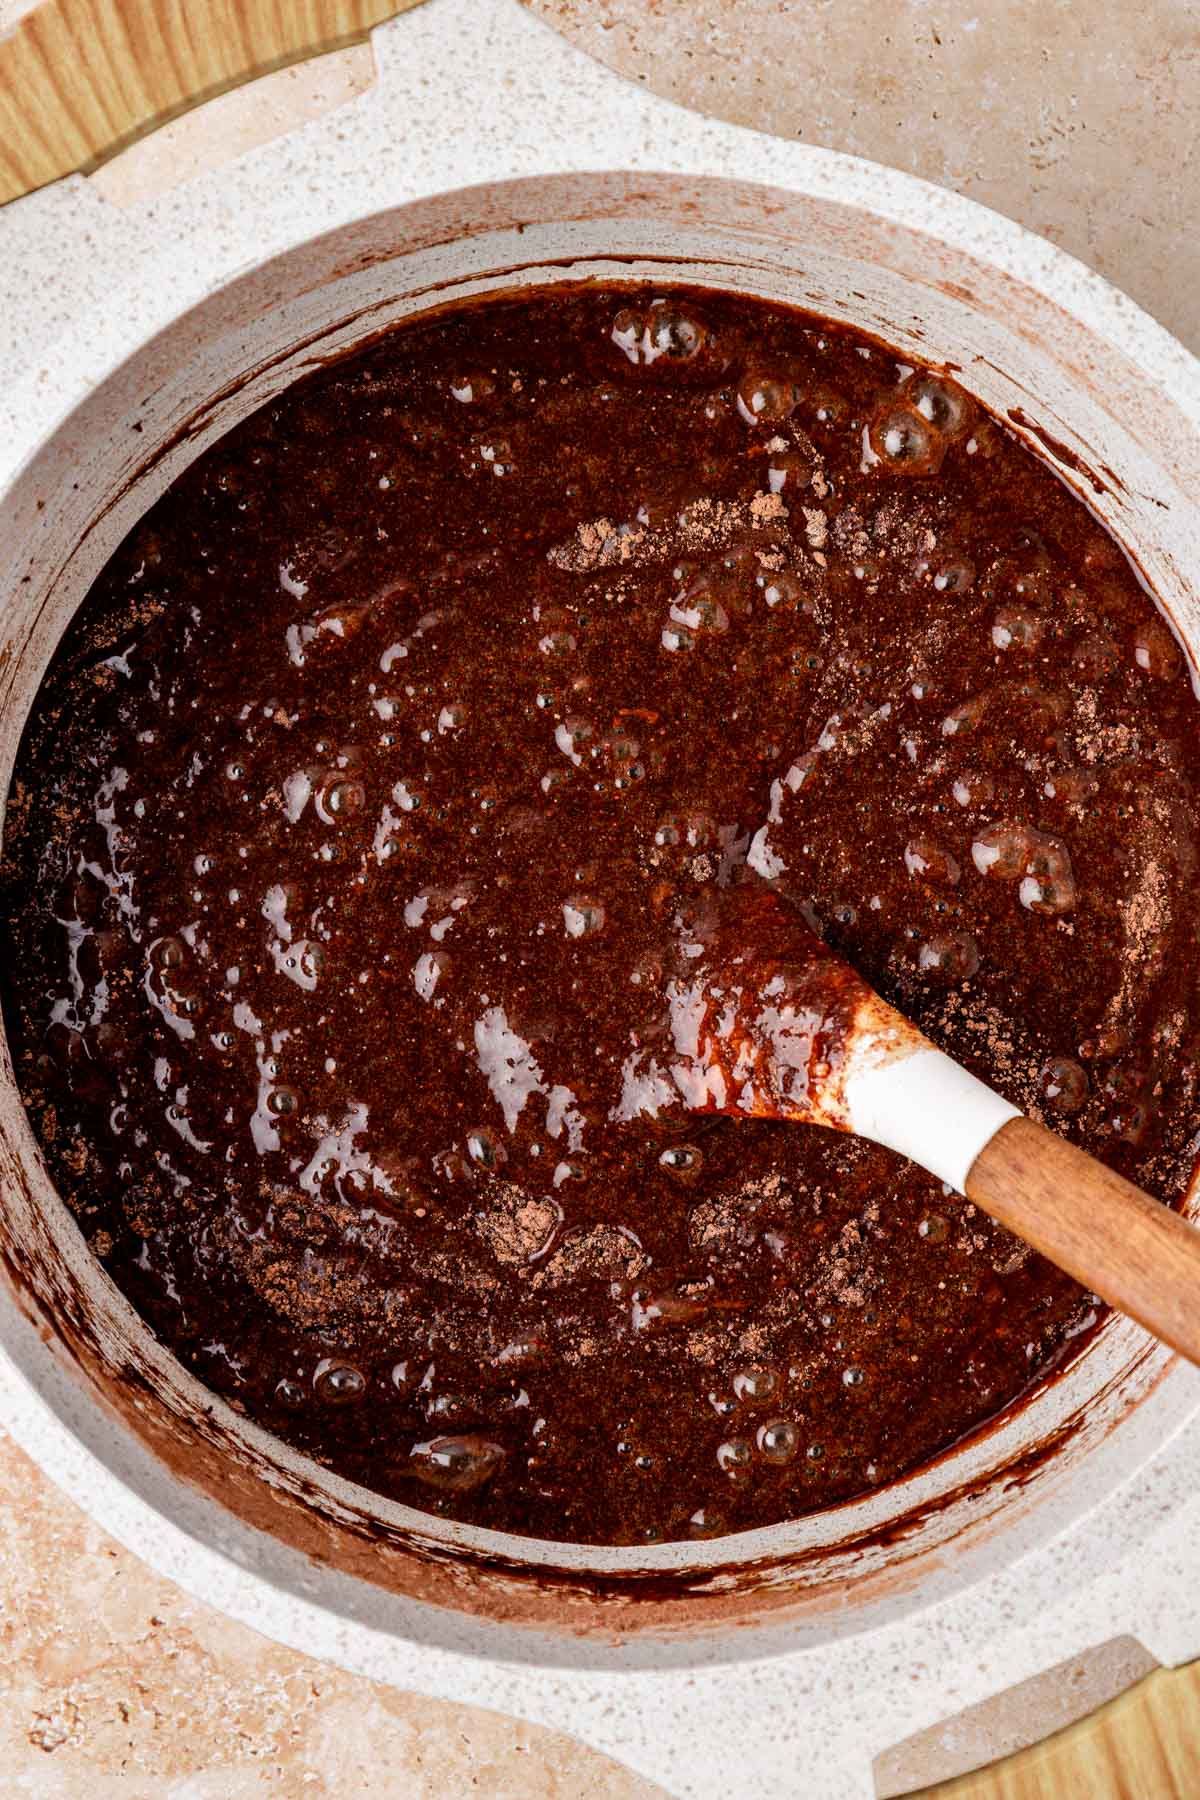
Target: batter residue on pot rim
x=403, y=754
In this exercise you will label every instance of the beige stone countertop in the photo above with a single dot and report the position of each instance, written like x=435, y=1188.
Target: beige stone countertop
x=115, y=1685
x=1079, y=118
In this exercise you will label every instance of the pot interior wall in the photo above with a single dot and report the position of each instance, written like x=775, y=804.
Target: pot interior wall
x=1113, y=435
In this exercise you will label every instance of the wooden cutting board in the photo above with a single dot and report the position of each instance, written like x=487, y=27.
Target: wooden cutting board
x=80, y=81
x=1143, y=1746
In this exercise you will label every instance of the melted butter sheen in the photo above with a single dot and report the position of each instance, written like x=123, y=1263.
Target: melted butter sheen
x=375, y=813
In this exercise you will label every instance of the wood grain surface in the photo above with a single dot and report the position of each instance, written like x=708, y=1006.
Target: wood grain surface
x=80, y=79
x=1143, y=1746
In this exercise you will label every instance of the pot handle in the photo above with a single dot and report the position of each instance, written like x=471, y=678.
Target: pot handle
x=83, y=81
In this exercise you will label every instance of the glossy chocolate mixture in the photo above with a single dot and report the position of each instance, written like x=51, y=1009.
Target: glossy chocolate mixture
x=411, y=746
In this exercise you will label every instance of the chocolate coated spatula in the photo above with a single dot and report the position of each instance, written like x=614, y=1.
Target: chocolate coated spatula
x=770, y=1023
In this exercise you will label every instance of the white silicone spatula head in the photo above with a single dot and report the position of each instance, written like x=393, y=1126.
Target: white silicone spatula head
x=770, y=1023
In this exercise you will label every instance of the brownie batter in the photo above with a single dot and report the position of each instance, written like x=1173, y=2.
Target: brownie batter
x=409, y=749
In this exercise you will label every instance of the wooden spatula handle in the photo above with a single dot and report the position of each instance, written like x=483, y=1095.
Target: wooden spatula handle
x=1133, y=1251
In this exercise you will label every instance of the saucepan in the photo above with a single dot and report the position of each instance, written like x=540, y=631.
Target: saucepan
x=712, y=1666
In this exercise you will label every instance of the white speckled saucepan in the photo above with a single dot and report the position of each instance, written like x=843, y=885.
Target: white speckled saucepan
x=489, y=155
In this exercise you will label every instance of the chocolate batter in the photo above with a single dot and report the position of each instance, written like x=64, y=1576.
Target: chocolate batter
x=414, y=741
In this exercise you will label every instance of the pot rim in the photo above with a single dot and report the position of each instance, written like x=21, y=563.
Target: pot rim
x=856, y=1514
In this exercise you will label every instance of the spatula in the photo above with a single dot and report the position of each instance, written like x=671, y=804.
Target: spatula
x=770, y=1023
